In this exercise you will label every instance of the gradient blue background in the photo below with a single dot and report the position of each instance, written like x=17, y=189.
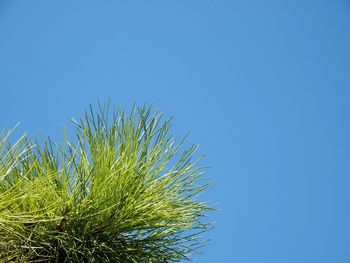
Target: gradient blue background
x=264, y=86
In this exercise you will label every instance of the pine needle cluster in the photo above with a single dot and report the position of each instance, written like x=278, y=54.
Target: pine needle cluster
x=121, y=190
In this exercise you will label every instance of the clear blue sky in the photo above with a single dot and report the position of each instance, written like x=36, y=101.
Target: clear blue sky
x=264, y=87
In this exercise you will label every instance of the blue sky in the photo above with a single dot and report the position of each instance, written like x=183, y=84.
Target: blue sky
x=263, y=86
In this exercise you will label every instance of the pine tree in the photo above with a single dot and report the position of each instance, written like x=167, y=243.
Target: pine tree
x=122, y=190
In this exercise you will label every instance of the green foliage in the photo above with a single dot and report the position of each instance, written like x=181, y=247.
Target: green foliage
x=121, y=191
